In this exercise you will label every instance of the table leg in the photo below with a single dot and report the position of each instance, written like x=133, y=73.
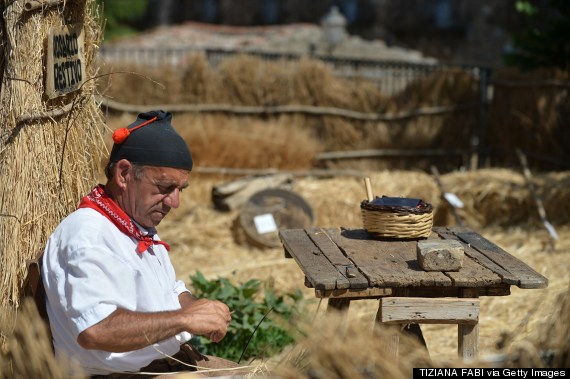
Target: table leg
x=415, y=331
x=393, y=345
x=338, y=304
x=468, y=334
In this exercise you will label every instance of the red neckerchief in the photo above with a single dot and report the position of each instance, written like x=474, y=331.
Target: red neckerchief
x=102, y=203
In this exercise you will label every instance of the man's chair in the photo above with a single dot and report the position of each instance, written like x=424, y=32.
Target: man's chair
x=34, y=287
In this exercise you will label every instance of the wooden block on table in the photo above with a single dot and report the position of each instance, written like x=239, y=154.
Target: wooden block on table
x=440, y=255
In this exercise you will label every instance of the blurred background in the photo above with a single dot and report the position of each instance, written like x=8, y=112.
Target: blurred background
x=464, y=82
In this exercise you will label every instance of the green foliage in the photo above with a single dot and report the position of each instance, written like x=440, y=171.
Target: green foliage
x=545, y=43
x=255, y=330
x=526, y=7
x=120, y=16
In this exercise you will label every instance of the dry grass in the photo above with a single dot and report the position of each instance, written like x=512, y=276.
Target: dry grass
x=28, y=352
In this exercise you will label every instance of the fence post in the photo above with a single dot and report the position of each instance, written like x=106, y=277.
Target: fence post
x=478, y=148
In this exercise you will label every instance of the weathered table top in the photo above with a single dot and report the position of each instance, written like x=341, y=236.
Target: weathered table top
x=351, y=263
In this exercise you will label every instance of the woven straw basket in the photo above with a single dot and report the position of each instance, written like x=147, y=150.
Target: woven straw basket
x=398, y=218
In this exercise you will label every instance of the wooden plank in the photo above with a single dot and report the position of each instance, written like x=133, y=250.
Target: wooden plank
x=317, y=268
x=495, y=290
x=479, y=270
x=368, y=293
x=385, y=263
x=375, y=153
x=473, y=275
x=525, y=275
x=404, y=310
x=337, y=258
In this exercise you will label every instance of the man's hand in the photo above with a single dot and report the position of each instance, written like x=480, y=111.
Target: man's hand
x=208, y=318
x=126, y=330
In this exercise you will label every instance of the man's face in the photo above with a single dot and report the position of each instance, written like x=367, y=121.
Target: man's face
x=151, y=197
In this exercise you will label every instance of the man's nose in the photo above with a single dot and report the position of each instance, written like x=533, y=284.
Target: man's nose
x=172, y=200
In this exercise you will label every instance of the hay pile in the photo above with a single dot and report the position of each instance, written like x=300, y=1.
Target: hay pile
x=500, y=197
x=217, y=141
x=333, y=348
x=28, y=352
x=49, y=149
x=249, y=81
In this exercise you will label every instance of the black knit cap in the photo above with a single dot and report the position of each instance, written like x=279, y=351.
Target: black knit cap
x=154, y=144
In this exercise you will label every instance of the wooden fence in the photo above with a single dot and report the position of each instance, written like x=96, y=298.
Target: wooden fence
x=391, y=78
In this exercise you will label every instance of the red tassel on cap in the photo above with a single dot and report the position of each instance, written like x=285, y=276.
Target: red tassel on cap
x=121, y=134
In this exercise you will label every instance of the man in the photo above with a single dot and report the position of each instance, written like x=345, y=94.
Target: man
x=113, y=301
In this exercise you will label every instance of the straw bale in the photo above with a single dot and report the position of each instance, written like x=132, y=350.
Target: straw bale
x=332, y=347
x=502, y=197
x=221, y=141
x=29, y=353
x=336, y=201
x=196, y=81
x=141, y=84
x=36, y=156
x=440, y=88
x=547, y=343
x=251, y=81
x=244, y=80
x=530, y=117
x=554, y=192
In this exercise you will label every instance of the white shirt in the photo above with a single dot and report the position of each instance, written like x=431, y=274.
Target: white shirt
x=90, y=268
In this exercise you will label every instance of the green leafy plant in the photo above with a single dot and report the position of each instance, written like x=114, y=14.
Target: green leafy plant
x=257, y=328
x=544, y=43
x=120, y=16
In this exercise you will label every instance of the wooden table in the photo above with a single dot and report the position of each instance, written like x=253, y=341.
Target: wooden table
x=348, y=264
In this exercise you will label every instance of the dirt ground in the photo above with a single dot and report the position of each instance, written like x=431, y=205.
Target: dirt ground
x=202, y=240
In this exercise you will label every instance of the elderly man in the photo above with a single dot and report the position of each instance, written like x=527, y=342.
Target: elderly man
x=113, y=301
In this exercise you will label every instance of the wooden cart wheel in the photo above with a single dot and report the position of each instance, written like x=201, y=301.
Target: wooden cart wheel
x=272, y=209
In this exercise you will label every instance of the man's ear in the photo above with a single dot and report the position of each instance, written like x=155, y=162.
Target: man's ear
x=123, y=170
